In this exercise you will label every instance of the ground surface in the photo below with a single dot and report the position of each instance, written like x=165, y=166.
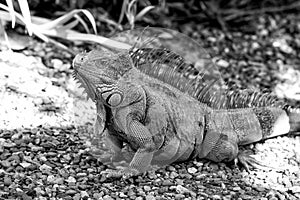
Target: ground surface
x=42, y=155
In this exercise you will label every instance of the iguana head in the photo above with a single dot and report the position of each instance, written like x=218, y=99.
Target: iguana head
x=99, y=71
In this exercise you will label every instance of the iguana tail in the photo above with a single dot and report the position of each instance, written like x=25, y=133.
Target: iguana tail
x=294, y=119
x=286, y=120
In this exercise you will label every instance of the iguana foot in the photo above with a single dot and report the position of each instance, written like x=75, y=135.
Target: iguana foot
x=247, y=161
x=122, y=173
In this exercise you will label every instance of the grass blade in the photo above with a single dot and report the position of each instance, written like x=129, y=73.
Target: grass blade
x=11, y=12
x=26, y=14
x=143, y=12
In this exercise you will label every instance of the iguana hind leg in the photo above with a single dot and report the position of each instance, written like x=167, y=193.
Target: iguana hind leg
x=223, y=149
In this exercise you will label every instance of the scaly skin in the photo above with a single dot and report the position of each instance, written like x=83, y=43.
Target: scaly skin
x=160, y=123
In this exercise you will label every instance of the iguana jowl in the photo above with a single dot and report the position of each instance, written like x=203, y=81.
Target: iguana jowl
x=156, y=103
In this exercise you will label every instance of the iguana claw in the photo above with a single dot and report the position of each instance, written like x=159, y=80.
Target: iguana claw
x=247, y=161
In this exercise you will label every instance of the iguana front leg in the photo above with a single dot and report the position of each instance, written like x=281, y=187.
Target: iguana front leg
x=140, y=137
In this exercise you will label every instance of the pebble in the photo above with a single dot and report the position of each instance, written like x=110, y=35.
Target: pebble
x=84, y=194
x=122, y=195
x=237, y=188
x=147, y=188
x=5, y=163
x=295, y=189
x=179, y=196
x=167, y=183
x=222, y=63
x=180, y=189
x=107, y=197
x=216, y=197
x=71, y=192
x=97, y=195
x=150, y=197
x=45, y=168
x=25, y=164
x=77, y=196
x=51, y=179
x=59, y=181
x=81, y=174
x=192, y=170
x=71, y=180
x=7, y=181
x=173, y=175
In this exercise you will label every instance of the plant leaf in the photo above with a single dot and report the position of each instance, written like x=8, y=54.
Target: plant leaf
x=11, y=12
x=65, y=18
x=26, y=14
x=124, y=5
x=143, y=12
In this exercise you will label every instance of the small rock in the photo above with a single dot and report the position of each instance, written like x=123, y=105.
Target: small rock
x=59, y=181
x=295, y=189
x=216, y=197
x=237, y=188
x=150, y=197
x=147, y=188
x=51, y=179
x=180, y=181
x=45, y=168
x=76, y=196
x=81, y=174
x=180, y=189
x=5, y=163
x=287, y=182
x=222, y=63
x=84, y=194
x=171, y=168
x=179, y=196
x=122, y=195
x=167, y=183
x=67, y=157
x=25, y=164
x=107, y=197
x=7, y=181
x=43, y=158
x=71, y=192
x=71, y=180
x=192, y=170
x=173, y=175
x=97, y=195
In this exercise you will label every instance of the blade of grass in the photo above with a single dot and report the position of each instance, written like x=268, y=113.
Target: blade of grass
x=124, y=5
x=26, y=14
x=11, y=12
x=143, y=12
x=3, y=32
x=65, y=18
x=85, y=26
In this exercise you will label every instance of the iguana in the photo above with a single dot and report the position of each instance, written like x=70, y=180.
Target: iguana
x=155, y=106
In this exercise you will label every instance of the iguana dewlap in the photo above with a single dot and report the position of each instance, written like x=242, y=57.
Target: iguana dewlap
x=163, y=123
